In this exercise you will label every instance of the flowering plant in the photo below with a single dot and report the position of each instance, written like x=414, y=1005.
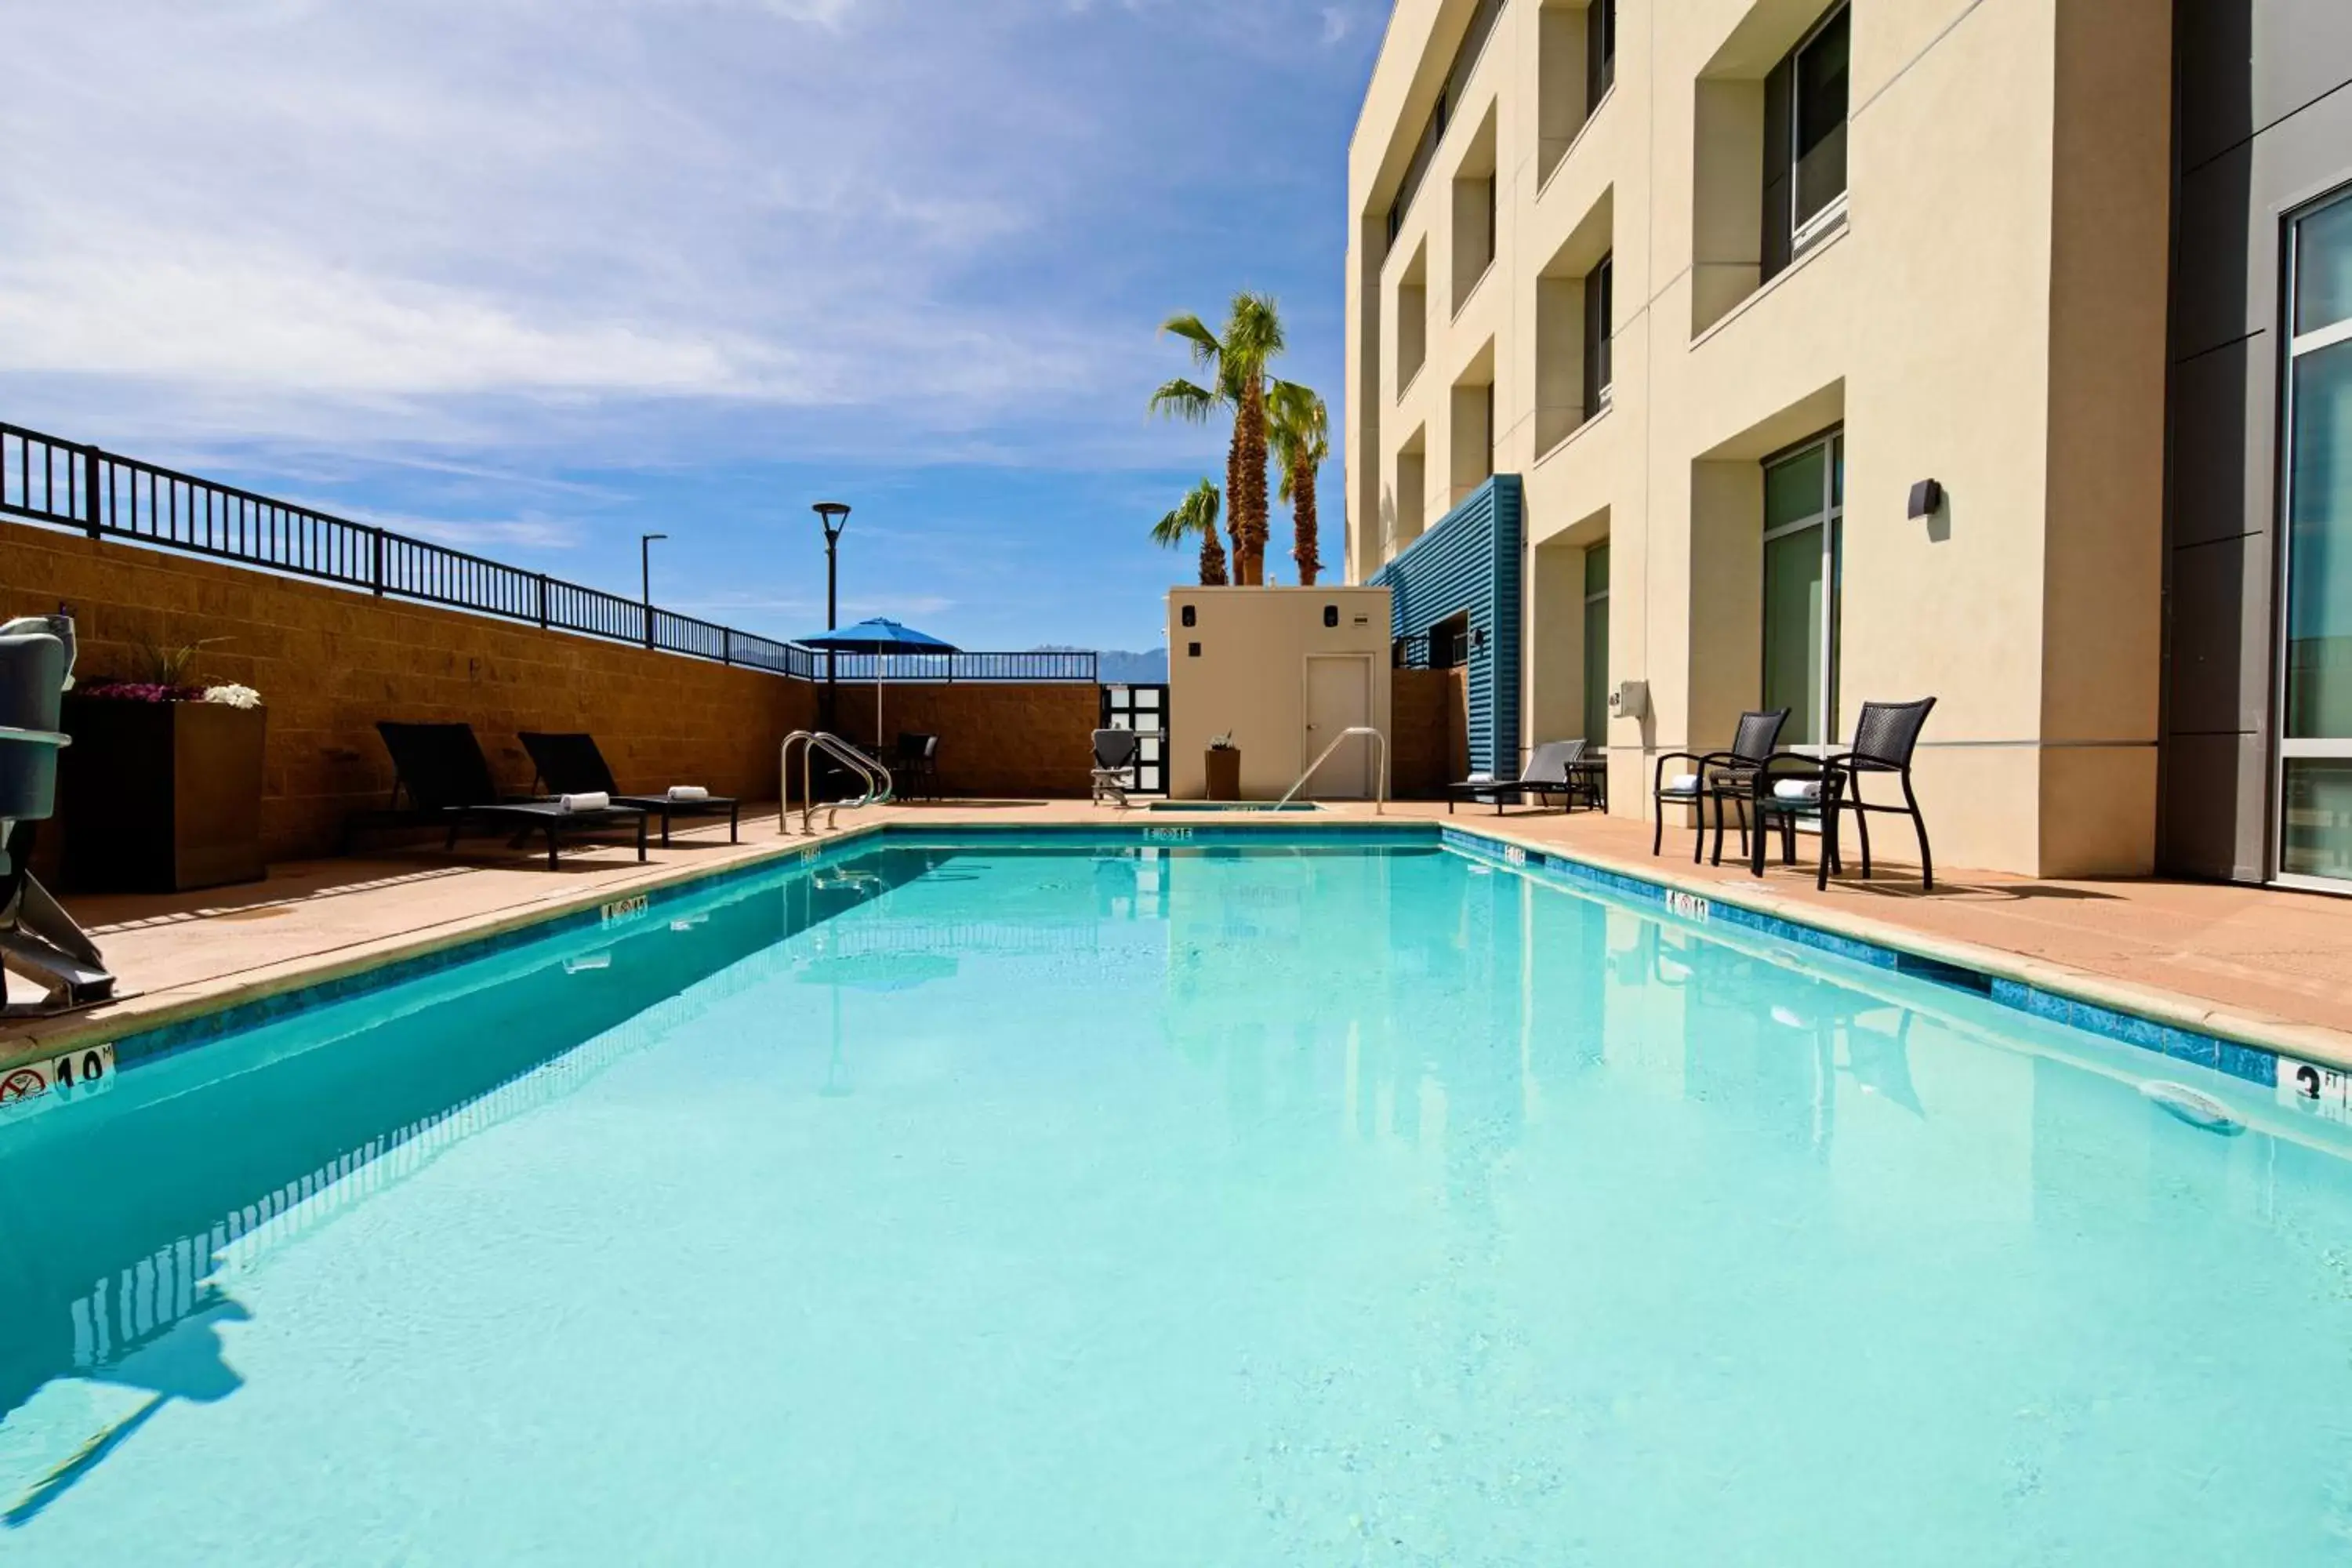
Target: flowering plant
x=233, y=696
x=139, y=691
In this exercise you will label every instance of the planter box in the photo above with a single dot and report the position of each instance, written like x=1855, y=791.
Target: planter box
x=1224, y=773
x=160, y=797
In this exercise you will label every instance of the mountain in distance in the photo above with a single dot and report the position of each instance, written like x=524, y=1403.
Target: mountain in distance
x=1119, y=667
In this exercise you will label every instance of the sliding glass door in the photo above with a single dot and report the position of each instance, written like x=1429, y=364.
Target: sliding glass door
x=2315, y=785
x=1804, y=505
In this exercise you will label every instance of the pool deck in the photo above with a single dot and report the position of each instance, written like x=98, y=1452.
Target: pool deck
x=2258, y=964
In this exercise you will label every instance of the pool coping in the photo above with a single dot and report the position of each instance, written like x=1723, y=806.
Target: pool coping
x=2245, y=1047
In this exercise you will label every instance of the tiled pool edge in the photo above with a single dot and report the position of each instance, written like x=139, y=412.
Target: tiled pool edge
x=2163, y=1023
x=301, y=987
x=2166, y=1024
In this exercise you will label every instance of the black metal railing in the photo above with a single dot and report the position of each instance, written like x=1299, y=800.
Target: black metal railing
x=51, y=480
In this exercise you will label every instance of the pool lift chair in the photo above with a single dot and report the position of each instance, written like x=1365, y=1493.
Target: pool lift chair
x=39, y=940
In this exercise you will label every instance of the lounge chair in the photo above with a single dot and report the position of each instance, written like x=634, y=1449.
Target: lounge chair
x=1116, y=753
x=1792, y=788
x=1711, y=775
x=572, y=764
x=441, y=769
x=1551, y=771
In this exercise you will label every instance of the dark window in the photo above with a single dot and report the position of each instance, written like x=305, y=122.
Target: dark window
x=1457, y=75
x=1449, y=642
x=1599, y=314
x=1805, y=101
x=1599, y=51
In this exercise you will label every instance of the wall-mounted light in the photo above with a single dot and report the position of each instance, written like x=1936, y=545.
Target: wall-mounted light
x=1927, y=499
x=1190, y=619
x=1330, y=615
x=1478, y=638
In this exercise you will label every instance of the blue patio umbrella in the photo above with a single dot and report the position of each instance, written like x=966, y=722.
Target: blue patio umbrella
x=881, y=638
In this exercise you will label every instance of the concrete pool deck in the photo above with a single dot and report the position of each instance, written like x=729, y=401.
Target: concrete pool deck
x=2262, y=965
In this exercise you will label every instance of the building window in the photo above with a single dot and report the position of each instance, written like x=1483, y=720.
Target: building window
x=1596, y=644
x=1804, y=510
x=1441, y=114
x=1804, y=141
x=1449, y=642
x=2316, y=730
x=1600, y=313
x=1599, y=51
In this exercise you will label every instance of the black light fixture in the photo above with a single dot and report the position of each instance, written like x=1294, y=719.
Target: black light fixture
x=835, y=516
x=1927, y=499
x=1330, y=615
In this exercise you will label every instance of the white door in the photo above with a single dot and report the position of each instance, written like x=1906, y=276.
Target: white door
x=1338, y=697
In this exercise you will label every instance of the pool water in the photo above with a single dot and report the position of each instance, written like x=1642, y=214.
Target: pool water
x=1086, y=1205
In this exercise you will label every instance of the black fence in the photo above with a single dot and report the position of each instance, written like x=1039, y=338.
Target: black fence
x=50, y=481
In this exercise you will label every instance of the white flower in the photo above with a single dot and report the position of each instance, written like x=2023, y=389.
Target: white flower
x=233, y=696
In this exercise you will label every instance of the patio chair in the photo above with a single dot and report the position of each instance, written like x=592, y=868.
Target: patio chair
x=915, y=766
x=441, y=769
x=574, y=764
x=1751, y=743
x=1551, y=771
x=1116, y=753
x=1790, y=788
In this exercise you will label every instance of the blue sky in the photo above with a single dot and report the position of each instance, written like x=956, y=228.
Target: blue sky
x=535, y=275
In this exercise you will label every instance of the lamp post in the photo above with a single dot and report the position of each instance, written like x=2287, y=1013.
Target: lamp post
x=645, y=579
x=834, y=517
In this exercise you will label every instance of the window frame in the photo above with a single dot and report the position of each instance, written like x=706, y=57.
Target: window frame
x=1830, y=519
x=2294, y=348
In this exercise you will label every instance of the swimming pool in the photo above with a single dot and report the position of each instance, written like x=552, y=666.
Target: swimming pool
x=1118, y=1200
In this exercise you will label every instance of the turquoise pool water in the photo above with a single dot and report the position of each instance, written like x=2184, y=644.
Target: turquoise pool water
x=1166, y=1206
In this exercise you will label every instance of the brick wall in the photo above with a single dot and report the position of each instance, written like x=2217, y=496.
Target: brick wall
x=996, y=740
x=329, y=663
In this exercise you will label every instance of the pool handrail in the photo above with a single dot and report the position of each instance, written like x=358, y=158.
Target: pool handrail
x=879, y=787
x=1379, y=783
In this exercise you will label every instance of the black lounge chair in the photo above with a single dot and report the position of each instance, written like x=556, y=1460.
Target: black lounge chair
x=1713, y=774
x=1552, y=770
x=441, y=769
x=1116, y=751
x=1788, y=788
x=572, y=764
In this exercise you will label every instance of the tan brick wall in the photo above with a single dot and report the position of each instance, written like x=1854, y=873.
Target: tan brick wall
x=996, y=740
x=329, y=663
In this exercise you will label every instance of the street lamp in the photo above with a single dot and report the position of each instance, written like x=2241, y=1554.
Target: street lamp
x=645, y=579
x=835, y=516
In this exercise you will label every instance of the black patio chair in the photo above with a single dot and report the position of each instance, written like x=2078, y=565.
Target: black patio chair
x=575, y=765
x=441, y=769
x=1885, y=738
x=1552, y=771
x=1711, y=773
x=1116, y=751
x=915, y=769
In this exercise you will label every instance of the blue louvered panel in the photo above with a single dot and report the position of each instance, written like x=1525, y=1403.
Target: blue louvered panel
x=1470, y=560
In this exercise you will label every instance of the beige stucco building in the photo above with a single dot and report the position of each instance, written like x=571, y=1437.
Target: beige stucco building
x=1281, y=673
x=1681, y=301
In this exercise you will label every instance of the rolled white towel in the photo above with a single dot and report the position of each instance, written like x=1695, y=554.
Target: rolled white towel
x=1797, y=789
x=594, y=800
x=1683, y=784
x=688, y=792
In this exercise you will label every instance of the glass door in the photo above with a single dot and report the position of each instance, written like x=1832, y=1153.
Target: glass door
x=1805, y=507
x=2315, y=783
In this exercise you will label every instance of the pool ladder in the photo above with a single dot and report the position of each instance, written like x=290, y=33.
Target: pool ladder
x=879, y=786
x=1380, y=784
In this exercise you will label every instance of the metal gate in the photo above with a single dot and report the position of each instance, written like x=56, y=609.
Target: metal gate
x=1143, y=709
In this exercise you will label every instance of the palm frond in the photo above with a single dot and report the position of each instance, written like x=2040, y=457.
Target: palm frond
x=1206, y=349
x=1196, y=514
x=1181, y=399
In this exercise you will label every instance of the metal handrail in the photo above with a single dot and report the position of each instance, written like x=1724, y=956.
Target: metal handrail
x=879, y=786
x=1380, y=786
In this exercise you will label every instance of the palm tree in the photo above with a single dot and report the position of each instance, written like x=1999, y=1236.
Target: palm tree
x=1196, y=514
x=1237, y=363
x=1298, y=428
